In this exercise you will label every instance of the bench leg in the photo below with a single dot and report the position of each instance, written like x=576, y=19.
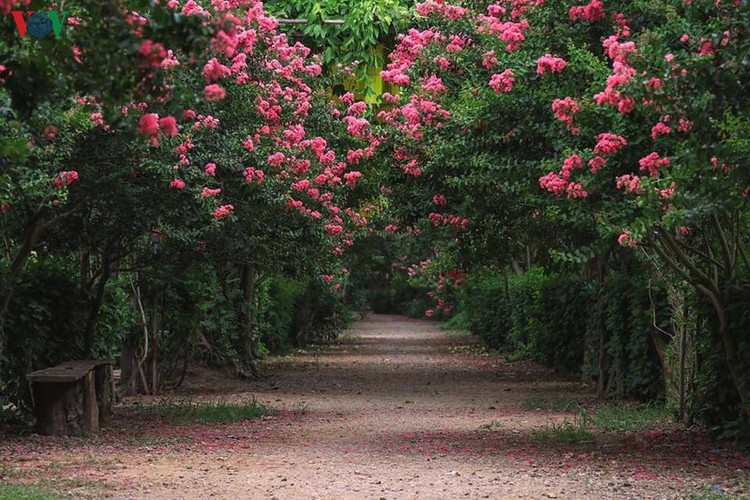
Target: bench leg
x=56, y=407
x=104, y=393
x=90, y=405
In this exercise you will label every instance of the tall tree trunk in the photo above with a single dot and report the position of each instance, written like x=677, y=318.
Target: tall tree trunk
x=248, y=283
x=96, y=300
x=32, y=235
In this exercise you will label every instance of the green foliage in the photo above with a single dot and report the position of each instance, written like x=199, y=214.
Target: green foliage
x=552, y=318
x=366, y=26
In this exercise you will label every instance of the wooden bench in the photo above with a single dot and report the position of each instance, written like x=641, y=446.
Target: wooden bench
x=73, y=398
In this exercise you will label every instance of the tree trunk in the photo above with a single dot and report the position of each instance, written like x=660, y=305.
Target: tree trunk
x=248, y=283
x=33, y=234
x=95, y=305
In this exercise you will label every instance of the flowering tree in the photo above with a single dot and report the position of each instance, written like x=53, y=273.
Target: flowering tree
x=193, y=121
x=598, y=125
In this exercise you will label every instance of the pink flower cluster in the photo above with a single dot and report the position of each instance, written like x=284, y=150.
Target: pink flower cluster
x=510, y=32
x=629, y=183
x=591, y=12
x=433, y=85
x=455, y=222
x=660, y=129
x=214, y=92
x=152, y=126
x=253, y=175
x=502, y=82
x=609, y=144
x=223, y=211
x=626, y=239
x=550, y=63
x=559, y=183
x=653, y=163
x=152, y=53
x=565, y=109
x=622, y=73
x=65, y=178
x=449, y=11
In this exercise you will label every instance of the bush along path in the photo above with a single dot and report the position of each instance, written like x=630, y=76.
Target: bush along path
x=397, y=408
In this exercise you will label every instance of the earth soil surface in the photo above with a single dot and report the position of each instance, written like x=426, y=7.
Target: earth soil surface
x=397, y=408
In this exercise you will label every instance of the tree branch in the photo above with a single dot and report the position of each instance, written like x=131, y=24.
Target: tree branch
x=724, y=244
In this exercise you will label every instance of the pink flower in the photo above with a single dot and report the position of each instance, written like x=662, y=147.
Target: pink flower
x=654, y=83
x=77, y=53
x=489, y=59
x=592, y=12
x=152, y=52
x=358, y=108
x=253, y=175
x=213, y=71
x=223, y=211
x=276, y=159
x=65, y=178
x=569, y=164
x=168, y=125
x=667, y=193
x=351, y=177
x=653, y=163
x=192, y=8
x=706, y=49
x=214, y=93
x=626, y=240
x=550, y=63
x=97, y=119
x=685, y=125
x=502, y=82
x=660, y=129
x=208, y=192
x=669, y=57
x=50, y=132
x=248, y=145
x=596, y=163
x=333, y=229
x=432, y=84
x=170, y=61
x=210, y=169
x=177, y=184
x=609, y=144
x=565, y=109
x=629, y=183
x=149, y=124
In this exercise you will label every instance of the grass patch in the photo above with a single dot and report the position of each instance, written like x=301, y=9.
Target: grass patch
x=158, y=441
x=714, y=493
x=185, y=411
x=491, y=425
x=631, y=418
x=24, y=492
x=550, y=404
x=567, y=432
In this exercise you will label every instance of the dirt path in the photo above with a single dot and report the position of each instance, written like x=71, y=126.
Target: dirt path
x=397, y=409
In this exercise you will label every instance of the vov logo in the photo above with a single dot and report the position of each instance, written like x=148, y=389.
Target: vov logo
x=39, y=24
